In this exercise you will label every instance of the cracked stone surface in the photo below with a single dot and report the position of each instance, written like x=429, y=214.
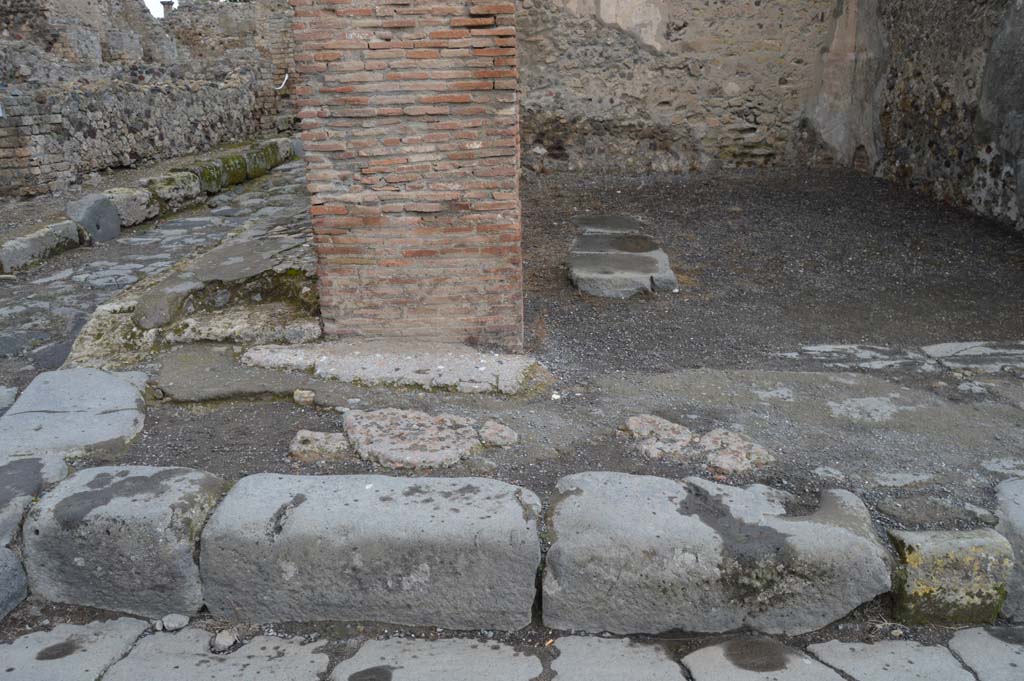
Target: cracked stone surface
x=732, y=555
x=311, y=446
x=70, y=652
x=122, y=538
x=424, y=365
x=448, y=660
x=597, y=659
x=755, y=659
x=887, y=660
x=724, y=451
x=1011, y=525
x=403, y=438
x=992, y=653
x=459, y=553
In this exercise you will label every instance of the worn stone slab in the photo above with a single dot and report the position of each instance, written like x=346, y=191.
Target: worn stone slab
x=134, y=206
x=406, y=438
x=70, y=652
x=122, y=538
x=312, y=446
x=638, y=554
x=186, y=656
x=992, y=653
x=1010, y=494
x=982, y=356
x=610, y=659
x=891, y=660
x=951, y=577
x=400, y=659
x=460, y=553
x=21, y=480
x=621, y=275
x=75, y=409
x=435, y=366
x=247, y=324
x=97, y=215
x=13, y=585
x=607, y=224
x=20, y=251
x=755, y=659
x=174, y=190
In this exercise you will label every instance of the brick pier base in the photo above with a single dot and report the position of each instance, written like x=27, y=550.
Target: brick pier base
x=411, y=130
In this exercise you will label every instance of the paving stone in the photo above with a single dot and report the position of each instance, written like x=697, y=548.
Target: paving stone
x=21, y=480
x=74, y=409
x=399, y=659
x=755, y=659
x=200, y=373
x=658, y=438
x=426, y=365
x=989, y=357
x=247, y=324
x=621, y=275
x=607, y=224
x=405, y=438
x=494, y=434
x=638, y=554
x=18, y=252
x=134, y=206
x=1011, y=525
x=186, y=656
x=97, y=215
x=992, y=653
x=310, y=446
x=70, y=652
x=891, y=660
x=609, y=659
x=460, y=553
x=13, y=585
x=122, y=538
x=728, y=452
x=951, y=577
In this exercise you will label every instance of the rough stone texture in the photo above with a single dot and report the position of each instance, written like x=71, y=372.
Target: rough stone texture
x=310, y=446
x=993, y=653
x=417, y=229
x=636, y=554
x=619, y=265
x=458, y=553
x=22, y=478
x=134, y=206
x=97, y=216
x=249, y=324
x=18, y=252
x=401, y=438
x=986, y=357
x=426, y=365
x=903, y=660
x=724, y=451
x=728, y=452
x=447, y=660
x=121, y=538
x=659, y=438
x=951, y=577
x=186, y=655
x=755, y=659
x=1011, y=526
x=494, y=434
x=70, y=652
x=13, y=585
x=175, y=190
x=73, y=410
x=599, y=659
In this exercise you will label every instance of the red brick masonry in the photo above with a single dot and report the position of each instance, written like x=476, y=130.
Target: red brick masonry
x=411, y=130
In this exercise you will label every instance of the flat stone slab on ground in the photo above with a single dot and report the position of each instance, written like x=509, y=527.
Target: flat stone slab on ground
x=74, y=410
x=891, y=661
x=247, y=324
x=70, y=652
x=200, y=373
x=621, y=275
x=21, y=480
x=425, y=365
x=405, y=438
x=639, y=554
x=1011, y=525
x=13, y=585
x=982, y=356
x=460, y=553
x=311, y=446
x=399, y=659
x=607, y=224
x=122, y=538
x=755, y=659
x=992, y=653
x=609, y=659
x=186, y=656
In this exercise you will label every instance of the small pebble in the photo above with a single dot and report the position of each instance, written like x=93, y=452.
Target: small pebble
x=174, y=622
x=305, y=398
x=223, y=641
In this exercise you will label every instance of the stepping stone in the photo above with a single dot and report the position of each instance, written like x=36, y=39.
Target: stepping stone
x=97, y=215
x=122, y=538
x=74, y=410
x=403, y=438
x=21, y=480
x=992, y=653
x=610, y=659
x=638, y=554
x=446, y=660
x=957, y=577
x=755, y=659
x=988, y=357
x=612, y=259
x=1011, y=526
x=888, y=660
x=186, y=656
x=13, y=585
x=70, y=652
x=460, y=553
x=434, y=366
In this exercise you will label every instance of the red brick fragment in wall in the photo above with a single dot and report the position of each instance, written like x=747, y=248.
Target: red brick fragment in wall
x=410, y=125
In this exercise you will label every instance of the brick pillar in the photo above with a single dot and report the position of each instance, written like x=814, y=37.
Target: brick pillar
x=410, y=123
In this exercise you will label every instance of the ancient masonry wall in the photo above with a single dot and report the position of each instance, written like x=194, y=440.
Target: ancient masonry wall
x=410, y=123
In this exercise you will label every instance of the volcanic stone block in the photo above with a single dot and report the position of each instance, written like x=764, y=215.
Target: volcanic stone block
x=890, y=660
x=175, y=190
x=460, y=553
x=583, y=658
x=755, y=659
x=637, y=554
x=446, y=660
x=992, y=653
x=951, y=577
x=70, y=652
x=21, y=480
x=619, y=265
x=1011, y=526
x=13, y=586
x=97, y=215
x=121, y=538
x=18, y=252
x=134, y=206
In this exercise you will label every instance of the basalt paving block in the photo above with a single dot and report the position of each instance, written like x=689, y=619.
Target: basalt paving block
x=70, y=652
x=122, y=538
x=755, y=659
x=951, y=577
x=460, y=553
x=1011, y=526
x=889, y=660
x=610, y=659
x=638, y=554
x=446, y=660
x=21, y=480
x=992, y=653
x=13, y=585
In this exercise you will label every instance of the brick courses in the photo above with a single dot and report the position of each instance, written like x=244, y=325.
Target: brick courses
x=409, y=113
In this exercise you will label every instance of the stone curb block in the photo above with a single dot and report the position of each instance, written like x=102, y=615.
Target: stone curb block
x=1011, y=525
x=40, y=244
x=13, y=586
x=459, y=553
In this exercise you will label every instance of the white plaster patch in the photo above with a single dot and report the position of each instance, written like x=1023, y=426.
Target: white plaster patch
x=644, y=20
